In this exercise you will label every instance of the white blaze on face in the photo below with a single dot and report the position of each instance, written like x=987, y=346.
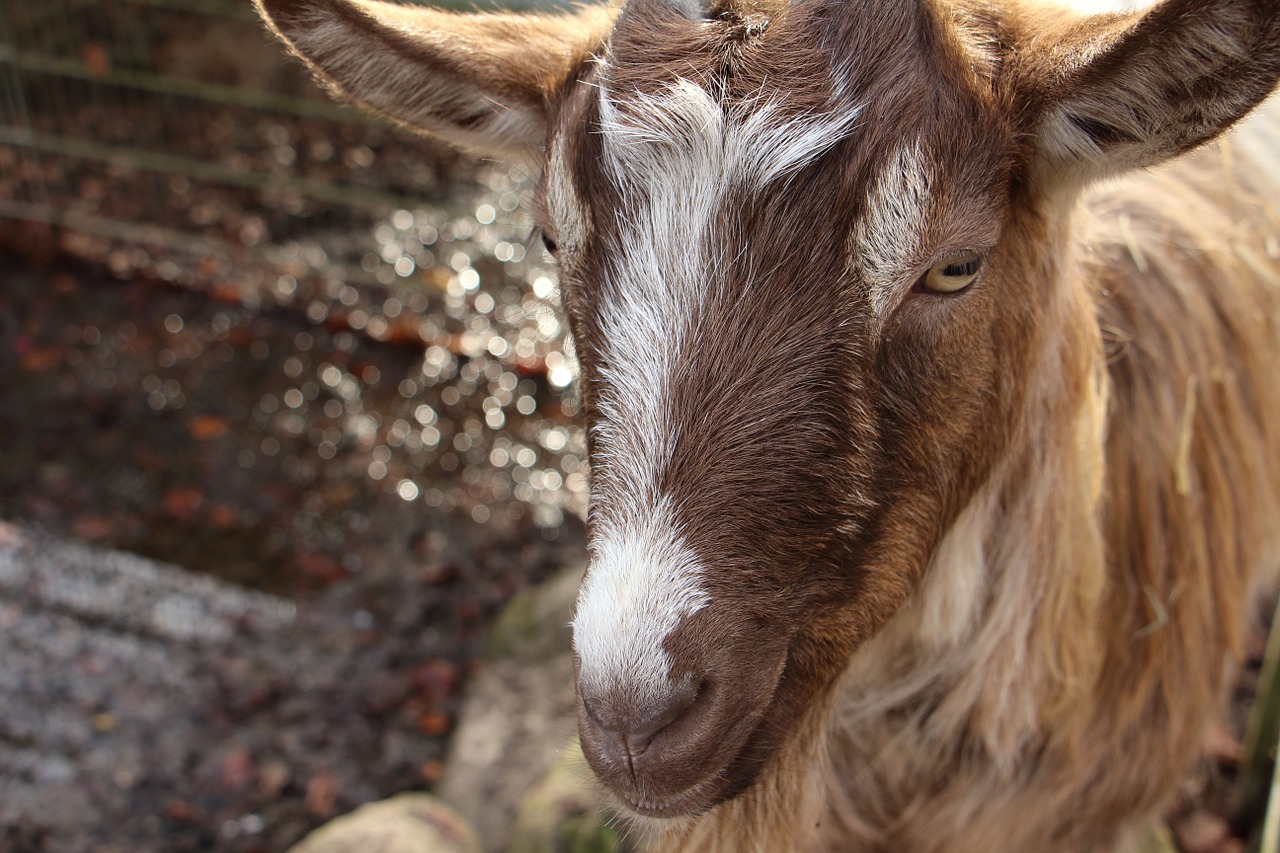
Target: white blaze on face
x=888, y=238
x=674, y=157
x=564, y=205
x=642, y=582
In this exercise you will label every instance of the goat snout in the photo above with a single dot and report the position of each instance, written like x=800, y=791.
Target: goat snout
x=626, y=732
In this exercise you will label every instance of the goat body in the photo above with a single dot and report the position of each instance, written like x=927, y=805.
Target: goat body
x=940, y=531
x=1053, y=678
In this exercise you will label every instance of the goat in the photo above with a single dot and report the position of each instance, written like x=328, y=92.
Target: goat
x=935, y=440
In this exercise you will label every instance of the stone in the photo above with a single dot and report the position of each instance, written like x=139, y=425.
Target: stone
x=519, y=711
x=563, y=813
x=406, y=823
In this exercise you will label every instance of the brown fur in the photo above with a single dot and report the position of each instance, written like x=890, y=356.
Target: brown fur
x=982, y=562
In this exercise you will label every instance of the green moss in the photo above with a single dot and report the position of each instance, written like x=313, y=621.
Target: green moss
x=516, y=626
x=585, y=833
x=559, y=815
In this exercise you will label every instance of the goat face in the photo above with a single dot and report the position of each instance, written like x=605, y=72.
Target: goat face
x=787, y=365
x=812, y=255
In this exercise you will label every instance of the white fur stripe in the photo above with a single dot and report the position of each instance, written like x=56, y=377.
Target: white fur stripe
x=675, y=157
x=642, y=581
x=888, y=239
x=752, y=143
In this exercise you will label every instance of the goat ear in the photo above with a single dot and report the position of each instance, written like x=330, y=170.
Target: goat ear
x=479, y=81
x=1117, y=92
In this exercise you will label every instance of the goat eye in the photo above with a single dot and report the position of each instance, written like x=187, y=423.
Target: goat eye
x=549, y=243
x=953, y=274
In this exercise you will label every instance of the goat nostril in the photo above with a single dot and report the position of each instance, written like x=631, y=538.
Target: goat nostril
x=627, y=728
x=662, y=715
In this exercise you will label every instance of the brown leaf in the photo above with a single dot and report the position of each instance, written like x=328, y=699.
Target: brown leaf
x=226, y=293
x=322, y=794
x=434, y=723
x=224, y=517
x=40, y=360
x=94, y=527
x=180, y=810
x=238, y=768
x=531, y=366
x=96, y=58
x=321, y=566
x=432, y=771
x=206, y=427
x=183, y=503
x=435, y=680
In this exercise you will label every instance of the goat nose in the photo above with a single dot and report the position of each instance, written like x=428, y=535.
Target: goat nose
x=627, y=728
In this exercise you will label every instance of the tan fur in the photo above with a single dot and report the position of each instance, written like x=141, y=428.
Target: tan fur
x=480, y=81
x=1116, y=608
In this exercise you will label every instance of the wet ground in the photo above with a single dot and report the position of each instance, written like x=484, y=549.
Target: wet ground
x=256, y=433
x=266, y=319
x=282, y=346
x=386, y=440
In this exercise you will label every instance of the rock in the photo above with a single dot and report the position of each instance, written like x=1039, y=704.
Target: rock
x=562, y=812
x=108, y=672
x=519, y=711
x=407, y=823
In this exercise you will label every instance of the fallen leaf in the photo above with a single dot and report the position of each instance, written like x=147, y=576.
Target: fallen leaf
x=322, y=794
x=183, y=503
x=40, y=360
x=321, y=566
x=226, y=293
x=432, y=771
x=224, y=517
x=180, y=810
x=96, y=527
x=436, y=679
x=206, y=427
x=434, y=723
x=96, y=58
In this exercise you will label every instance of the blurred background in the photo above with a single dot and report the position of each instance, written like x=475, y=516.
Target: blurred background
x=256, y=335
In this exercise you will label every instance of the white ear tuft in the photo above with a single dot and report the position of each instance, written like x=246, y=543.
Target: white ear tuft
x=1119, y=92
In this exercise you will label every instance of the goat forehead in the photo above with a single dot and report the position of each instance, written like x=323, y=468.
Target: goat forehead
x=684, y=132
x=678, y=157
x=702, y=320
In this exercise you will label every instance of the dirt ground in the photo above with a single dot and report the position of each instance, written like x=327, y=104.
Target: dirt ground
x=259, y=447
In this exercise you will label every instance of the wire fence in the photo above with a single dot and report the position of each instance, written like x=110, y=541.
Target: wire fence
x=182, y=124
x=176, y=141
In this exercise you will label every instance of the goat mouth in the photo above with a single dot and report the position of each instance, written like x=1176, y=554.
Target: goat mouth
x=690, y=802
